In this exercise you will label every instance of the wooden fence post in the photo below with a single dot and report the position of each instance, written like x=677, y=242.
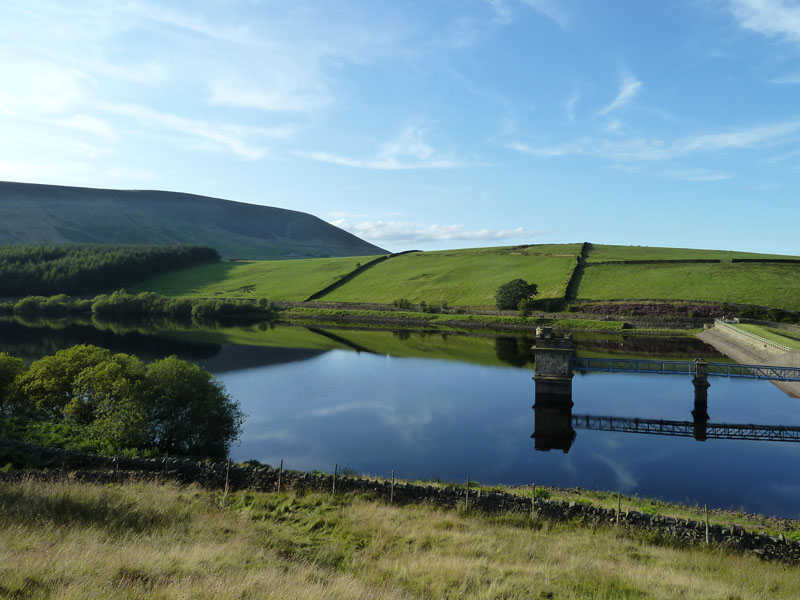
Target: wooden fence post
x=391, y=491
x=466, y=498
x=280, y=477
x=619, y=506
x=335, y=472
x=705, y=510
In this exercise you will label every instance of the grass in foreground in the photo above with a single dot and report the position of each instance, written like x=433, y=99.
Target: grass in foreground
x=273, y=279
x=775, y=285
x=88, y=541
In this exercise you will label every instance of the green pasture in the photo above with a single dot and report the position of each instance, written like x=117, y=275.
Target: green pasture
x=273, y=279
x=779, y=336
x=460, y=277
x=776, y=285
x=603, y=253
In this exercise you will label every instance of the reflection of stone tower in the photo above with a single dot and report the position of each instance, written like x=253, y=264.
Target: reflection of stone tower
x=553, y=391
x=700, y=412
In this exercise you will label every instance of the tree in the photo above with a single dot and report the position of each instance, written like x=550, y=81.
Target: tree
x=111, y=395
x=189, y=411
x=509, y=295
x=10, y=370
x=48, y=384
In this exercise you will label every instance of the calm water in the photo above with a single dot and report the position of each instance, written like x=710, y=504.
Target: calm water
x=445, y=407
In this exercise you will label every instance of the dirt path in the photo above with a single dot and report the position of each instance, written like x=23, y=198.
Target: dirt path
x=748, y=351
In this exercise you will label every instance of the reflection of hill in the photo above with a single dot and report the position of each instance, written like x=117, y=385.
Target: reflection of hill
x=31, y=343
x=238, y=358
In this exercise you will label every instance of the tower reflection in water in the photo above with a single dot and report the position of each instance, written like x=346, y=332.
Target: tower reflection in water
x=555, y=425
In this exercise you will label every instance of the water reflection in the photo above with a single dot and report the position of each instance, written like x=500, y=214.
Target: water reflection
x=555, y=425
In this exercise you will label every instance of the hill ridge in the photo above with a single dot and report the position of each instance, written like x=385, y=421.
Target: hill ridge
x=42, y=213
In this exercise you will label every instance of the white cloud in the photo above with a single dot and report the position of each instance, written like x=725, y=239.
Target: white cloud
x=399, y=231
x=89, y=124
x=408, y=150
x=629, y=87
x=550, y=9
x=187, y=22
x=570, y=103
x=773, y=18
x=235, y=138
x=643, y=149
x=502, y=12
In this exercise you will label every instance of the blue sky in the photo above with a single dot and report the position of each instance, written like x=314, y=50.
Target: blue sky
x=425, y=124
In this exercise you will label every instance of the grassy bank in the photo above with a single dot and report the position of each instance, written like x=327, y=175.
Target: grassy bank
x=779, y=336
x=82, y=541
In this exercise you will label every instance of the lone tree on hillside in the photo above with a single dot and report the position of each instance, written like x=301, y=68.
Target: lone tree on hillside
x=509, y=295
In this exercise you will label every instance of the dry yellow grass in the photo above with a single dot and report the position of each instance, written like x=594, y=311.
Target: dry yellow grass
x=71, y=540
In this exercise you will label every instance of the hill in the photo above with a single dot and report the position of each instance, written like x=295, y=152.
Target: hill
x=48, y=214
x=459, y=277
x=469, y=277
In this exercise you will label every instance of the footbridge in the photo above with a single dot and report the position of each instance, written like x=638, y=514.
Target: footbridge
x=694, y=429
x=685, y=367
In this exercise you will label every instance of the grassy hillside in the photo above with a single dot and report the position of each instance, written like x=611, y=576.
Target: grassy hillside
x=461, y=277
x=37, y=214
x=276, y=280
x=470, y=277
x=71, y=540
x=767, y=284
x=603, y=253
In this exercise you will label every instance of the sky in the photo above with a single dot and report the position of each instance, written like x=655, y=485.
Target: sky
x=426, y=124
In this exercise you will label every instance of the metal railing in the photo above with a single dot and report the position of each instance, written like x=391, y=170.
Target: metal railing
x=752, y=336
x=684, y=367
x=724, y=431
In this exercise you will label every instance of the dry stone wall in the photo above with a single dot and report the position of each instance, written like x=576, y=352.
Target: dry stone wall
x=57, y=463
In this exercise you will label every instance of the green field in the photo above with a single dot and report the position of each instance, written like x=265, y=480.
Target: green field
x=276, y=280
x=775, y=285
x=603, y=253
x=461, y=277
x=470, y=277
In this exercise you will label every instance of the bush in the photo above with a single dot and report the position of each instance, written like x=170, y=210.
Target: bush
x=509, y=295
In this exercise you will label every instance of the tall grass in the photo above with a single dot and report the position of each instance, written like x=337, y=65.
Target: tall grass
x=87, y=541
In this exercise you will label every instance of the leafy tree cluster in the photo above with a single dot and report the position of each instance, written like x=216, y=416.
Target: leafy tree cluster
x=122, y=305
x=516, y=294
x=88, y=268
x=171, y=405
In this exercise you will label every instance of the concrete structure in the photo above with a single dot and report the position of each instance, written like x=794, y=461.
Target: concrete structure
x=553, y=391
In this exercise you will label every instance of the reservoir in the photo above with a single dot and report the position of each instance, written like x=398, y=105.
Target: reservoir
x=446, y=406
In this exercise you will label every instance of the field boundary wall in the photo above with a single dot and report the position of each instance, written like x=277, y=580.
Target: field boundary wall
x=352, y=274
x=93, y=468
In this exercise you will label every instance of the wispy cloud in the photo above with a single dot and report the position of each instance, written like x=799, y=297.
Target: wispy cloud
x=570, y=103
x=773, y=18
x=238, y=139
x=502, y=12
x=399, y=231
x=188, y=22
x=408, y=150
x=629, y=87
x=550, y=9
x=643, y=149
